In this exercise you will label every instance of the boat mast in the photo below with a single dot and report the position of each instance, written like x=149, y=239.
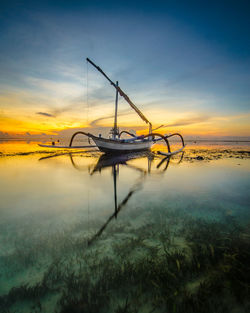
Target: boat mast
x=114, y=170
x=122, y=94
x=115, y=130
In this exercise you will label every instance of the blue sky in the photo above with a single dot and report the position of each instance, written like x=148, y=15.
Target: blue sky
x=178, y=61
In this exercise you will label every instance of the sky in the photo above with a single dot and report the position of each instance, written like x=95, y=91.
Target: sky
x=185, y=64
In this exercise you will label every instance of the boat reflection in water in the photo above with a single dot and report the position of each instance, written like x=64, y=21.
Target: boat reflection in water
x=115, y=162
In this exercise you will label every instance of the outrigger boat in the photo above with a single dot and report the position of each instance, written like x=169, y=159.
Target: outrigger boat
x=117, y=144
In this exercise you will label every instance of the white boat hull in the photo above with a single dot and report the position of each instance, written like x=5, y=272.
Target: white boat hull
x=116, y=146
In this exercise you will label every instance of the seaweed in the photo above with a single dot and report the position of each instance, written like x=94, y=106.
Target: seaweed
x=209, y=274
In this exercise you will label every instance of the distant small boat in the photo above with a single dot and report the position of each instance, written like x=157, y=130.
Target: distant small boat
x=116, y=144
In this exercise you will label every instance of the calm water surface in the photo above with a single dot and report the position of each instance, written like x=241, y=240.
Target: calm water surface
x=82, y=232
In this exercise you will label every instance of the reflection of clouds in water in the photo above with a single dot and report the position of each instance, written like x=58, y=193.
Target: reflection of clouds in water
x=51, y=212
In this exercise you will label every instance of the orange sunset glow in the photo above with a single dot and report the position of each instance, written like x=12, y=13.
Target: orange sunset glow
x=24, y=112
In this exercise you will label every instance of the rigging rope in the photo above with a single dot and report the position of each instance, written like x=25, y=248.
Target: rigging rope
x=87, y=93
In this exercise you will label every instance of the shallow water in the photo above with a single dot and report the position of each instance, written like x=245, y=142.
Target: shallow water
x=81, y=232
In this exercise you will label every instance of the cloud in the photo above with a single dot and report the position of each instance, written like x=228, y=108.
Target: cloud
x=189, y=121
x=196, y=73
x=95, y=122
x=73, y=104
x=54, y=88
x=45, y=114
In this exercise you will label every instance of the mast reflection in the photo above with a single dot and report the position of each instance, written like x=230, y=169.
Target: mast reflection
x=114, y=162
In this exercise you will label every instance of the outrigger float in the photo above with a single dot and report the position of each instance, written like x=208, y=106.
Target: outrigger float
x=116, y=144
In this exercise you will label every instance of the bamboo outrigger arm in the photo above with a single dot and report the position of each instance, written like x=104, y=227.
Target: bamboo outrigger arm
x=122, y=94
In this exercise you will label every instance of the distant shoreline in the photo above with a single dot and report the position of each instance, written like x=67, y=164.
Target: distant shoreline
x=186, y=140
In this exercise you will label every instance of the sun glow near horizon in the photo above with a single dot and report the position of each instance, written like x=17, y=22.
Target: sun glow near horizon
x=48, y=107
x=34, y=113
x=22, y=121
